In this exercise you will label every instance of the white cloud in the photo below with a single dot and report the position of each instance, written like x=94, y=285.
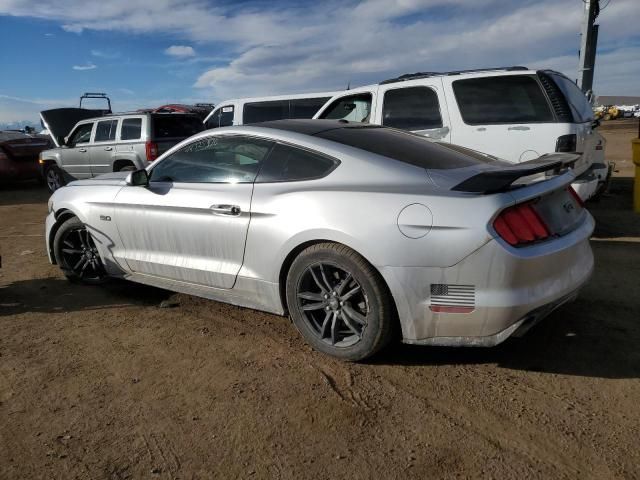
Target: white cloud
x=105, y=54
x=322, y=46
x=180, y=51
x=86, y=66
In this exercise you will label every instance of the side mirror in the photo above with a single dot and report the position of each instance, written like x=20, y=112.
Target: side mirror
x=595, y=124
x=139, y=178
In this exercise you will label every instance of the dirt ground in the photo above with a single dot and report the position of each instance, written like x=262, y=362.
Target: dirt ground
x=101, y=383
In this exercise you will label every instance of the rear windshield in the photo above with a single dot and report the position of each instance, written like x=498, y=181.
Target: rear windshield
x=405, y=147
x=578, y=103
x=502, y=99
x=176, y=126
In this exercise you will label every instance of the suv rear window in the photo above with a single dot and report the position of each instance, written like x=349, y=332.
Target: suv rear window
x=502, y=99
x=168, y=125
x=264, y=111
x=403, y=146
x=255, y=112
x=131, y=129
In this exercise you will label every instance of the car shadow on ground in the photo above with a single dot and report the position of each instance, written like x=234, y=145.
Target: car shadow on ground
x=564, y=343
x=22, y=193
x=614, y=213
x=57, y=295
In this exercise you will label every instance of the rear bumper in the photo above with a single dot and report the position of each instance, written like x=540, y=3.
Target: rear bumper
x=512, y=287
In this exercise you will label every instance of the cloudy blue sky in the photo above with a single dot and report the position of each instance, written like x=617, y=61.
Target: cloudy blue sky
x=149, y=52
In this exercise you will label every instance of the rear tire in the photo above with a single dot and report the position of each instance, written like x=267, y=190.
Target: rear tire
x=53, y=177
x=76, y=253
x=339, y=302
x=128, y=167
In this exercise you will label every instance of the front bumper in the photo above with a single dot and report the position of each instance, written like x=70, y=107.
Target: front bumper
x=511, y=287
x=48, y=225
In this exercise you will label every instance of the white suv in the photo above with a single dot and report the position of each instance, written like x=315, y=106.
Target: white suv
x=512, y=113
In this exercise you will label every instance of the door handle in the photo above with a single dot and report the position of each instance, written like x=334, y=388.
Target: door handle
x=108, y=149
x=229, y=210
x=82, y=150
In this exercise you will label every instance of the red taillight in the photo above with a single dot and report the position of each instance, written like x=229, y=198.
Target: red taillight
x=152, y=151
x=575, y=195
x=520, y=225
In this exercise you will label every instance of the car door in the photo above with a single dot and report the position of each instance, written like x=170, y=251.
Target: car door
x=418, y=106
x=103, y=145
x=507, y=116
x=76, y=158
x=190, y=223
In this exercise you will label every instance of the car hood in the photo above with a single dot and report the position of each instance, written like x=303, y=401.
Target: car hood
x=60, y=121
x=115, y=178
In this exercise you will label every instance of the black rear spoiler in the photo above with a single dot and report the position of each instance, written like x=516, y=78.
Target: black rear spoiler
x=500, y=179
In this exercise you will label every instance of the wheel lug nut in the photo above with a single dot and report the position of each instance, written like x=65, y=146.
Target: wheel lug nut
x=326, y=308
x=326, y=296
x=341, y=304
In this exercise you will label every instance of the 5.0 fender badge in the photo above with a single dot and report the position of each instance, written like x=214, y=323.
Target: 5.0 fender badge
x=106, y=218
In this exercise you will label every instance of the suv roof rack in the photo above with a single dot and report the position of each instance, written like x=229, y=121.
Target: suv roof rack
x=101, y=96
x=417, y=75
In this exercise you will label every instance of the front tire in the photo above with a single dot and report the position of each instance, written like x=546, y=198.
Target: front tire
x=339, y=302
x=53, y=177
x=76, y=253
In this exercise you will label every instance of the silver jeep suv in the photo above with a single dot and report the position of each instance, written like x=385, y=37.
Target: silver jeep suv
x=109, y=143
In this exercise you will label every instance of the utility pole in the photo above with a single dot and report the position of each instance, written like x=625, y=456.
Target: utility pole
x=588, y=41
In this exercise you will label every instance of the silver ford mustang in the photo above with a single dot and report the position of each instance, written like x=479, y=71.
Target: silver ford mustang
x=354, y=230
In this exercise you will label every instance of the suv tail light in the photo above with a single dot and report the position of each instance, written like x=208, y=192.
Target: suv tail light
x=520, y=225
x=152, y=151
x=566, y=143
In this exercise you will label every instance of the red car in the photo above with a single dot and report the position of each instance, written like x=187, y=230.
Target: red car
x=19, y=153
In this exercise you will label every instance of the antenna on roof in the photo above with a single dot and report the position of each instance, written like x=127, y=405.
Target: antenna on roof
x=349, y=85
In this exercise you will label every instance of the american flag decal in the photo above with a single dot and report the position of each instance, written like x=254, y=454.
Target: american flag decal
x=447, y=298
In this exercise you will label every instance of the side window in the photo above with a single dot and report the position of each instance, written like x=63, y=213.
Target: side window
x=412, y=108
x=131, y=129
x=106, y=131
x=222, y=117
x=264, y=111
x=287, y=164
x=501, y=99
x=82, y=134
x=306, y=107
x=355, y=108
x=232, y=159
